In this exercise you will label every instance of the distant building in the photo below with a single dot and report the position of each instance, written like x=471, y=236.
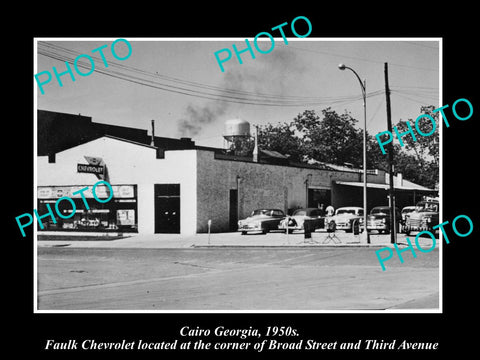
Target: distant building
x=175, y=186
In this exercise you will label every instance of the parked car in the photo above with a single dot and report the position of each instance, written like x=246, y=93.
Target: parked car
x=406, y=210
x=297, y=219
x=262, y=220
x=379, y=219
x=423, y=218
x=344, y=217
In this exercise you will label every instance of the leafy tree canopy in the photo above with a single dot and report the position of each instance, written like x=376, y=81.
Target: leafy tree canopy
x=335, y=138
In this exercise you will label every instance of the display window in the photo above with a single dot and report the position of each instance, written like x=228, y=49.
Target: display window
x=118, y=214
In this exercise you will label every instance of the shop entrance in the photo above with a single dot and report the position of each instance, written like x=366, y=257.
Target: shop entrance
x=316, y=197
x=233, y=210
x=167, y=208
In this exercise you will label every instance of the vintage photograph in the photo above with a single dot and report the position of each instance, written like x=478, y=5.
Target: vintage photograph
x=261, y=174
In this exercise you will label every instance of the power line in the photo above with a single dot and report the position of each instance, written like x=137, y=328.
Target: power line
x=55, y=52
x=416, y=101
x=419, y=94
x=422, y=45
x=360, y=58
x=189, y=88
x=376, y=110
x=415, y=87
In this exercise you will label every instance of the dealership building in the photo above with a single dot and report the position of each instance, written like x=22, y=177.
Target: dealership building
x=165, y=185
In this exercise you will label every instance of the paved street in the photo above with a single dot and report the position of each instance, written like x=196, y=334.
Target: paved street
x=233, y=278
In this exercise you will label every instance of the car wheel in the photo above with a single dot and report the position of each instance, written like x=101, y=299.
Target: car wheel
x=244, y=233
x=264, y=231
x=290, y=231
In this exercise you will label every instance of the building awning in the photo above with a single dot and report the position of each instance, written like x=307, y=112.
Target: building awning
x=407, y=186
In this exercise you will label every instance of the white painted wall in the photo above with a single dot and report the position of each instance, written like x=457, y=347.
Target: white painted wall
x=130, y=163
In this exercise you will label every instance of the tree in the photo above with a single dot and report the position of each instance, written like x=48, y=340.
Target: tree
x=242, y=146
x=424, y=152
x=334, y=138
x=330, y=139
x=281, y=138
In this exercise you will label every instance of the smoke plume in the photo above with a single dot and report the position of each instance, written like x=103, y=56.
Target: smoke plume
x=266, y=74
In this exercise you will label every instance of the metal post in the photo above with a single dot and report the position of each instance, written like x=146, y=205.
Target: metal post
x=394, y=222
x=286, y=231
x=393, y=236
x=307, y=183
x=365, y=160
x=238, y=197
x=363, y=85
x=209, y=224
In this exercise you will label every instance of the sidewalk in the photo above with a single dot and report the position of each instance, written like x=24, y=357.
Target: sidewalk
x=274, y=239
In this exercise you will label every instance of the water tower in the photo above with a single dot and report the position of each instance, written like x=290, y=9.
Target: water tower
x=235, y=131
x=236, y=128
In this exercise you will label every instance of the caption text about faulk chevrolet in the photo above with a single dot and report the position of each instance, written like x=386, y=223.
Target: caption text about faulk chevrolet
x=271, y=338
x=465, y=115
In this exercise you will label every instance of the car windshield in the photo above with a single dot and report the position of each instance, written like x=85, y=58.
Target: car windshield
x=300, y=213
x=260, y=212
x=433, y=207
x=407, y=210
x=345, y=211
x=379, y=211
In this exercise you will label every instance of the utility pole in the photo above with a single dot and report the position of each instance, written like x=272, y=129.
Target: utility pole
x=255, y=149
x=393, y=229
x=152, y=142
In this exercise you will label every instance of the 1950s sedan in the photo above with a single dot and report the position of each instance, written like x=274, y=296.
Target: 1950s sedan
x=261, y=220
x=424, y=218
x=297, y=220
x=345, y=217
x=379, y=219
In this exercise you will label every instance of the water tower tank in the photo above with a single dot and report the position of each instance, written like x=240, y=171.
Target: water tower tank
x=235, y=128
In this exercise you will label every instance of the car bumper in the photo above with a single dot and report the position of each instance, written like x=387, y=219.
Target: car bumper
x=284, y=227
x=377, y=227
x=420, y=228
x=344, y=226
x=249, y=228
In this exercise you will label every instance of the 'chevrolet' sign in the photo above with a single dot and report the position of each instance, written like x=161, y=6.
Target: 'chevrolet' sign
x=90, y=169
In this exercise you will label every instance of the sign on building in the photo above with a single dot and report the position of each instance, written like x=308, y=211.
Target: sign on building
x=90, y=169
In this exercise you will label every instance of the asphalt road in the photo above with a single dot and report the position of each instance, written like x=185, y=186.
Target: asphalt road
x=265, y=279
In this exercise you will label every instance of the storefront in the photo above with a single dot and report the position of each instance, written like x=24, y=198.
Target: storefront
x=176, y=187
x=118, y=214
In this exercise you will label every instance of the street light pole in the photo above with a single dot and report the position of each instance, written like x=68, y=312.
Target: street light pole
x=363, y=85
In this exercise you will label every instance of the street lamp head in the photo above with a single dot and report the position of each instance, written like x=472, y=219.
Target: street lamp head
x=341, y=66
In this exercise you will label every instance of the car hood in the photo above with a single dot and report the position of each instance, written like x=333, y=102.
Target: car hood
x=344, y=216
x=256, y=218
x=420, y=214
x=378, y=216
x=299, y=217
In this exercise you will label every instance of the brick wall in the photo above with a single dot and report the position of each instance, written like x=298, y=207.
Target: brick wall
x=261, y=185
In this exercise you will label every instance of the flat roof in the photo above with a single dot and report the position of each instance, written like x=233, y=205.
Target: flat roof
x=408, y=186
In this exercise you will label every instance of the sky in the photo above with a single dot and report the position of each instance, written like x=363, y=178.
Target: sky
x=179, y=84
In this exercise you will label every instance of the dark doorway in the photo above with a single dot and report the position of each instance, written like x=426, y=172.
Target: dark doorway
x=316, y=197
x=167, y=208
x=233, y=210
